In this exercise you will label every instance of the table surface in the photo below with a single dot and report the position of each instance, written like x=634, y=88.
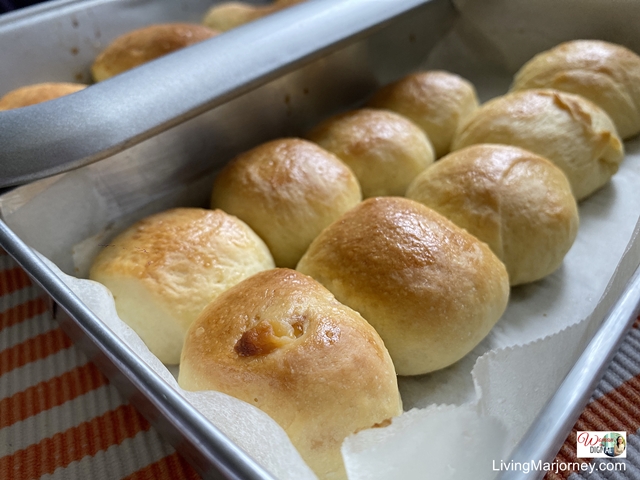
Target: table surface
x=61, y=419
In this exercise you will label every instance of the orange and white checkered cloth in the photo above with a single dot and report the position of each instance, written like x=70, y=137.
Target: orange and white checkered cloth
x=61, y=419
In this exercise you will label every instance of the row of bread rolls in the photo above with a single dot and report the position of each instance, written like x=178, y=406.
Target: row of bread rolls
x=142, y=45
x=279, y=339
x=123, y=53
x=401, y=259
x=299, y=344
x=203, y=283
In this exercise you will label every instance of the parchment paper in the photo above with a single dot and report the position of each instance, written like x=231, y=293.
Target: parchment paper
x=482, y=405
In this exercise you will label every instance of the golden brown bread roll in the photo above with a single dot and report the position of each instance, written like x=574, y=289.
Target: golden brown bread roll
x=37, y=93
x=145, y=44
x=166, y=268
x=228, y=15
x=430, y=289
x=280, y=341
x=572, y=132
x=385, y=150
x=287, y=191
x=436, y=101
x=605, y=73
x=517, y=202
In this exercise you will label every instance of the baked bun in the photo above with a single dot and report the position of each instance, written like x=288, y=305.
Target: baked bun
x=385, y=150
x=287, y=191
x=37, y=93
x=165, y=269
x=287, y=3
x=430, y=289
x=436, y=101
x=228, y=15
x=280, y=341
x=567, y=129
x=605, y=73
x=517, y=202
x=145, y=44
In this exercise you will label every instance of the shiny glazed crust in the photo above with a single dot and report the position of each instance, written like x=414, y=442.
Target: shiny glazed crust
x=436, y=101
x=517, y=202
x=605, y=73
x=37, y=93
x=430, y=289
x=166, y=268
x=385, y=150
x=280, y=341
x=146, y=44
x=572, y=132
x=287, y=191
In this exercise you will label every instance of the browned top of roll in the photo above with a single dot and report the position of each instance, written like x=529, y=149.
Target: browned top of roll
x=430, y=289
x=386, y=151
x=436, y=100
x=396, y=234
x=605, y=73
x=152, y=244
x=145, y=44
x=517, y=202
x=287, y=191
x=274, y=319
x=37, y=93
x=280, y=341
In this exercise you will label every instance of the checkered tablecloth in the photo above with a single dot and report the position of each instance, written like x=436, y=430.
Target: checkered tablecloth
x=61, y=419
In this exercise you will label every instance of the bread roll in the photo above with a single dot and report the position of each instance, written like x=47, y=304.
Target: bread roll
x=287, y=190
x=430, y=289
x=165, y=269
x=436, y=101
x=517, y=202
x=605, y=73
x=567, y=129
x=145, y=44
x=286, y=3
x=385, y=150
x=280, y=341
x=228, y=15
x=37, y=93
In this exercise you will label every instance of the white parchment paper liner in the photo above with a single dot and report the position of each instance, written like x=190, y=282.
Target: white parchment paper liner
x=465, y=416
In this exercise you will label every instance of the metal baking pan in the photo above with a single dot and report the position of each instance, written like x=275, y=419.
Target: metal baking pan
x=164, y=116
x=182, y=117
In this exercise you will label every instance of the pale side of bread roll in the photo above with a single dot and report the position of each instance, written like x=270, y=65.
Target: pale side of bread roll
x=386, y=151
x=572, y=132
x=437, y=101
x=517, y=202
x=605, y=73
x=166, y=268
x=227, y=15
x=38, y=93
x=430, y=289
x=145, y=44
x=287, y=191
x=280, y=341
